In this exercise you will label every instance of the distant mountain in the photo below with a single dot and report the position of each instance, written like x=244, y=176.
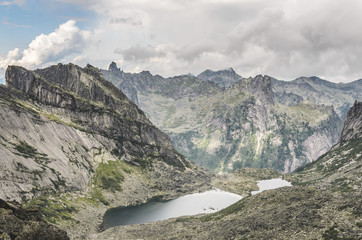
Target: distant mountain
x=315, y=90
x=245, y=125
x=224, y=78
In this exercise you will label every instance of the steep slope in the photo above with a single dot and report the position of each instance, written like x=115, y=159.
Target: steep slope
x=340, y=168
x=75, y=145
x=327, y=204
x=224, y=78
x=241, y=126
x=315, y=90
x=26, y=224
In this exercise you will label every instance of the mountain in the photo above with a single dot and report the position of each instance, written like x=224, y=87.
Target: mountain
x=315, y=90
x=339, y=168
x=245, y=125
x=325, y=202
x=224, y=78
x=353, y=125
x=73, y=145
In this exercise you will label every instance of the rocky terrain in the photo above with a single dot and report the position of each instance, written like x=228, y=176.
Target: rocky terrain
x=224, y=78
x=26, y=224
x=247, y=124
x=74, y=145
x=315, y=90
x=324, y=203
x=339, y=168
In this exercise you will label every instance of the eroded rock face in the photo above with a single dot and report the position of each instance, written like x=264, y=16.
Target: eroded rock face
x=58, y=124
x=352, y=128
x=26, y=224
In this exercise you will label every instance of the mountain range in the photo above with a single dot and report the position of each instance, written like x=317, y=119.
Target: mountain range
x=72, y=145
x=223, y=122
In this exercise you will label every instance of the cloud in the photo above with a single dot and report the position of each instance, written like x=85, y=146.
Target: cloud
x=138, y=53
x=17, y=2
x=15, y=25
x=65, y=40
x=282, y=38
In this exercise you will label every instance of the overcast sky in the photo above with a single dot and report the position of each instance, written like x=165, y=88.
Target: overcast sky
x=285, y=39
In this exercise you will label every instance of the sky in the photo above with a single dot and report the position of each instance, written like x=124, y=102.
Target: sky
x=285, y=39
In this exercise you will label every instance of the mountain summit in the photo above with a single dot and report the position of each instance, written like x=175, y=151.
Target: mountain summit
x=224, y=78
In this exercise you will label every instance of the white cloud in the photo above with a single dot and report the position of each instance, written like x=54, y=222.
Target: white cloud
x=282, y=38
x=17, y=2
x=44, y=49
x=15, y=25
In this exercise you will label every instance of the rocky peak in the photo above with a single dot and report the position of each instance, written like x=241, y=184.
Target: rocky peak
x=19, y=78
x=146, y=74
x=261, y=87
x=224, y=78
x=353, y=124
x=113, y=67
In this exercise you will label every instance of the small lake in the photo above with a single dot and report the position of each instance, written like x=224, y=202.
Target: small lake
x=192, y=204
x=271, y=184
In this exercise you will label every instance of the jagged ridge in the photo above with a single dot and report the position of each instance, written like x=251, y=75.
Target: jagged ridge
x=245, y=125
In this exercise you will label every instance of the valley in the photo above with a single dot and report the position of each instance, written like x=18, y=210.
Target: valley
x=73, y=145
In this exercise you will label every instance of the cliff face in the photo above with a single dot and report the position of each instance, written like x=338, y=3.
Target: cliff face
x=60, y=124
x=245, y=125
x=352, y=128
x=339, y=168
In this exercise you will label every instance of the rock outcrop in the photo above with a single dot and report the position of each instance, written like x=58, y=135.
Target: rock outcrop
x=51, y=134
x=352, y=128
x=26, y=224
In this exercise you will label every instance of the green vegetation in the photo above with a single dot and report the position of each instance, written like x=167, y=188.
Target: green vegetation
x=331, y=234
x=143, y=163
x=95, y=197
x=54, y=118
x=54, y=209
x=108, y=176
x=27, y=150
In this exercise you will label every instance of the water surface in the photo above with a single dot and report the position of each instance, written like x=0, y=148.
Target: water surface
x=192, y=204
x=271, y=184
x=206, y=202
